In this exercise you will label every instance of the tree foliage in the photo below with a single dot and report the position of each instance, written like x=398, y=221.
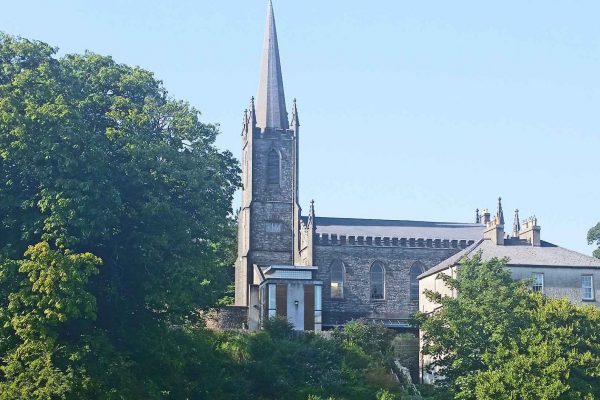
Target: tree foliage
x=115, y=229
x=115, y=226
x=276, y=364
x=593, y=237
x=497, y=340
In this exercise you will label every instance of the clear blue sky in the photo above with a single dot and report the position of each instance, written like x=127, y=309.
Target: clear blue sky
x=409, y=109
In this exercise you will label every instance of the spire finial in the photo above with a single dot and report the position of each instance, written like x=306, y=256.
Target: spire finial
x=516, y=224
x=311, y=216
x=245, y=122
x=500, y=213
x=252, y=113
x=295, y=120
x=270, y=100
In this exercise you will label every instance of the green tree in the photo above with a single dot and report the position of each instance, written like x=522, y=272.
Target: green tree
x=116, y=226
x=556, y=357
x=593, y=237
x=497, y=340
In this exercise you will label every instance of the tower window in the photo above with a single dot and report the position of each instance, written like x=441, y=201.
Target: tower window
x=415, y=270
x=273, y=227
x=377, y=281
x=273, y=168
x=337, y=279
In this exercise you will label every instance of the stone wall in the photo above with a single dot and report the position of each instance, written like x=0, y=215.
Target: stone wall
x=269, y=215
x=273, y=203
x=357, y=259
x=227, y=318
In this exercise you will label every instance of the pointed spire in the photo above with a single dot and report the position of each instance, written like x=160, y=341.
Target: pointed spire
x=245, y=122
x=516, y=224
x=252, y=113
x=295, y=120
x=477, y=216
x=500, y=213
x=311, y=216
x=270, y=107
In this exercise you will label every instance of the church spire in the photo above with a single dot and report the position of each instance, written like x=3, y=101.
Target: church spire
x=295, y=120
x=311, y=216
x=252, y=113
x=516, y=224
x=500, y=213
x=270, y=99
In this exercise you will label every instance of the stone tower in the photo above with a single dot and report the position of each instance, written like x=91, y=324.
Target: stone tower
x=269, y=217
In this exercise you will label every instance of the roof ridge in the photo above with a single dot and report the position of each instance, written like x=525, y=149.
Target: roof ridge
x=396, y=220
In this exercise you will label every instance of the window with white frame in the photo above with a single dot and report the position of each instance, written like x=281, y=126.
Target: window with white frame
x=587, y=287
x=538, y=282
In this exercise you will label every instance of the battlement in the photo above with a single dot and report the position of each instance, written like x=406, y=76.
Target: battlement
x=274, y=133
x=325, y=239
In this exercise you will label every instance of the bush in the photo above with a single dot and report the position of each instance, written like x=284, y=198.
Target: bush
x=373, y=339
x=278, y=327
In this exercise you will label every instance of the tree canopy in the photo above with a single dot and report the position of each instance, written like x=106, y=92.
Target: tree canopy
x=115, y=229
x=115, y=225
x=593, y=237
x=498, y=340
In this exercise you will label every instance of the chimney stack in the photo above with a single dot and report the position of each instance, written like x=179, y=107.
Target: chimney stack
x=485, y=216
x=494, y=229
x=530, y=231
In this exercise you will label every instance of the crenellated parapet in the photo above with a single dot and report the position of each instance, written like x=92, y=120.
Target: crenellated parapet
x=325, y=239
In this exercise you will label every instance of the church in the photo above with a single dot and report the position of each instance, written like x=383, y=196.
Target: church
x=318, y=271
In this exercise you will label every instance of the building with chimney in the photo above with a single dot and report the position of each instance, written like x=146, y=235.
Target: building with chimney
x=552, y=270
x=320, y=272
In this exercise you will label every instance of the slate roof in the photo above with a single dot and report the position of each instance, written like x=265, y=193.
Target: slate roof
x=398, y=228
x=520, y=254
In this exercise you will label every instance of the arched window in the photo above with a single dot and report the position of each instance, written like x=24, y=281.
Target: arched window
x=337, y=279
x=377, y=281
x=415, y=270
x=273, y=167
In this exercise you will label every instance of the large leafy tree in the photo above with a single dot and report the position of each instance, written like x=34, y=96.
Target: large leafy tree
x=497, y=340
x=556, y=357
x=115, y=225
x=593, y=237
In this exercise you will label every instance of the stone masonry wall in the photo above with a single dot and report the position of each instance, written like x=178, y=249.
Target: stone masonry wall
x=226, y=318
x=357, y=259
x=272, y=203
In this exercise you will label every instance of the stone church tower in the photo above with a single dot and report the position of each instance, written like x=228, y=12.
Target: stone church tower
x=320, y=272
x=270, y=214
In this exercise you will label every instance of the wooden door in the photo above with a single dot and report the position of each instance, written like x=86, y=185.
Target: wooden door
x=281, y=298
x=309, y=307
